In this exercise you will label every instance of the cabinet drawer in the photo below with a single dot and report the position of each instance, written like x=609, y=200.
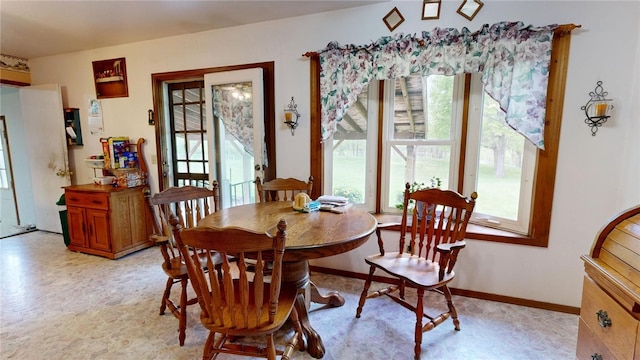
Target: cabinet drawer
x=620, y=336
x=589, y=345
x=89, y=200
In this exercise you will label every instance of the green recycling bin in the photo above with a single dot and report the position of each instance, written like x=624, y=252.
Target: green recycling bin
x=62, y=210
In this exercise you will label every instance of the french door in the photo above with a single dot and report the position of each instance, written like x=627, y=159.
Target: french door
x=217, y=133
x=197, y=144
x=235, y=130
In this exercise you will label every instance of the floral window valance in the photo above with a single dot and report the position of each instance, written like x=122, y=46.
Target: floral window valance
x=513, y=59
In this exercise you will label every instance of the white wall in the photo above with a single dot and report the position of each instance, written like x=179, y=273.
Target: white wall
x=597, y=176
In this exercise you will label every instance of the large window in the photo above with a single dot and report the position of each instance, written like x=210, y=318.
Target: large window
x=472, y=150
x=422, y=143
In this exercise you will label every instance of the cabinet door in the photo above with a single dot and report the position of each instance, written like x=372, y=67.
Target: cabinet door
x=75, y=217
x=129, y=221
x=140, y=221
x=99, y=237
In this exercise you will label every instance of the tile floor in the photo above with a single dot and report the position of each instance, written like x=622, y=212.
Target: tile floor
x=58, y=304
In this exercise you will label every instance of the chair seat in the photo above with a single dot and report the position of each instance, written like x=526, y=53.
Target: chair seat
x=411, y=268
x=285, y=305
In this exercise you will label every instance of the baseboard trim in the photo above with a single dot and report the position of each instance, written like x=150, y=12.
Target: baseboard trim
x=468, y=293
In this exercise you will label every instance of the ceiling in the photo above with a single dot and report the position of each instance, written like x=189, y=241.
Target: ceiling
x=31, y=29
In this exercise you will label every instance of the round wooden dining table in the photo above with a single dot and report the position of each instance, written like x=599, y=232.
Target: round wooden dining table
x=309, y=236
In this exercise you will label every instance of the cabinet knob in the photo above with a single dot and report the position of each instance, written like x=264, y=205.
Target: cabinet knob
x=603, y=319
x=596, y=356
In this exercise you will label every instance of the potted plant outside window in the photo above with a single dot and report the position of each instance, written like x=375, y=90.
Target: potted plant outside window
x=434, y=182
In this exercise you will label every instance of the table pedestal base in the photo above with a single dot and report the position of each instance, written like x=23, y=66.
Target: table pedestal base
x=298, y=272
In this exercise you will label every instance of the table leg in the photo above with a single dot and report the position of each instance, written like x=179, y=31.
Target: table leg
x=333, y=298
x=298, y=273
x=315, y=346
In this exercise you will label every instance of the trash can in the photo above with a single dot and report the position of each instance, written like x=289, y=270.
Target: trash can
x=62, y=211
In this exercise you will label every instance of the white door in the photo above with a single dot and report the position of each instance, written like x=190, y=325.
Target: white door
x=43, y=118
x=235, y=128
x=8, y=206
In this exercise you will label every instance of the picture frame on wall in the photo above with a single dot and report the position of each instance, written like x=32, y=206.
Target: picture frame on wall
x=110, y=78
x=393, y=19
x=470, y=8
x=430, y=9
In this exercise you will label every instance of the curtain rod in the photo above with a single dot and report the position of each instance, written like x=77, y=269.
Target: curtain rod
x=561, y=30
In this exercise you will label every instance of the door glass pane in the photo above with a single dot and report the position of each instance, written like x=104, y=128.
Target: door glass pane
x=350, y=152
x=196, y=167
x=233, y=108
x=181, y=147
x=176, y=96
x=499, y=164
x=178, y=117
x=194, y=117
x=195, y=147
x=192, y=95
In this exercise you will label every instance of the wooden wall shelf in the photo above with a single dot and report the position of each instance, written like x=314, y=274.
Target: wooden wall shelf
x=110, y=77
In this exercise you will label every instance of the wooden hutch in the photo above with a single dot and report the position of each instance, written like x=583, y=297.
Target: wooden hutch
x=609, y=325
x=107, y=220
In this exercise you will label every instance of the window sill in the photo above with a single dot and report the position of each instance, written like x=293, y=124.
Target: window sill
x=474, y=231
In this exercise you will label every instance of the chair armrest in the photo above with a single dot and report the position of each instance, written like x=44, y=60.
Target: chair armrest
x=159, y=239
x=384, y=226
x=447, y=248
x=449, y=256
x=163, y=242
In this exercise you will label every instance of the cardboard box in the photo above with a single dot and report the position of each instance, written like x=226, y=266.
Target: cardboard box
x=130, y=177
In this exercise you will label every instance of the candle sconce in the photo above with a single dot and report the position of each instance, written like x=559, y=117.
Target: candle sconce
x=597, y=108
x=291, y=116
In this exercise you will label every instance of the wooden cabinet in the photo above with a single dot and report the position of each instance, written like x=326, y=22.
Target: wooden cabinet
x=106, y=220
x=609, y=326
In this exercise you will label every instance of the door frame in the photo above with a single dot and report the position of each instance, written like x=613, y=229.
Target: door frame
x=159, y=79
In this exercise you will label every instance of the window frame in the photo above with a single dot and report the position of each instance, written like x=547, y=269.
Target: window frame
x=520, y=224
x=543, y=188
x=453, y=142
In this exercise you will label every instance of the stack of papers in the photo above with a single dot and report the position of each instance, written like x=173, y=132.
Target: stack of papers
x=336, y=204
x=333, y=200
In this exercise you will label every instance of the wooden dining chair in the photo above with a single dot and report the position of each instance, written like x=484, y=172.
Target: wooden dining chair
x=235, y=303
x=188, y=204
x=280, y=189
x=426, y=261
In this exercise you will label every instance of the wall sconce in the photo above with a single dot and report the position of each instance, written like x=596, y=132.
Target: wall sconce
x=597, y=108
x=151, y=120
x=291, y=116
